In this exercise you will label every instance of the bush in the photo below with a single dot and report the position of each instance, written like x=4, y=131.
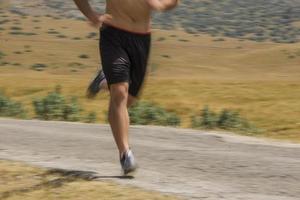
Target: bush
x=165, y=56
x=2, y=55
x=61, y=36
x=91, y=35
x=53, y=32
x=91, y=117
x=206, y=119
x=15, y=28
x=9, y=108
x=84, y=56
x=161, y=39
x=229, y=119
x=145, y=113
x=55, y=107
x=22, y=33
x=38, y=66
x=226, y=120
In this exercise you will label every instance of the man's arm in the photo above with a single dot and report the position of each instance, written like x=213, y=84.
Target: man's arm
x=85, y=8
x=162, y=5
x=95, y=18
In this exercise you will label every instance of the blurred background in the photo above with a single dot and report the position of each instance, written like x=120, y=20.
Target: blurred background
x=215, y=64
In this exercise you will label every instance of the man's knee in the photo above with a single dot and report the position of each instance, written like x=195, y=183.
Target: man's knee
x=119, y=93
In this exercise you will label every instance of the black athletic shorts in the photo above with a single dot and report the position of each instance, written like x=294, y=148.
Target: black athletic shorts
x=124, y=56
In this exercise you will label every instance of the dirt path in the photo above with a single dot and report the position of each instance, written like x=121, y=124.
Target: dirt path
x=191, y=164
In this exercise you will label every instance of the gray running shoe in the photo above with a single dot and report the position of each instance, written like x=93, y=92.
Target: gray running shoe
x=128, y=163
x=94, y=86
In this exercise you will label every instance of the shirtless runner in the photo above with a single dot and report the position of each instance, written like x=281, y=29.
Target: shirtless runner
x=124, y=46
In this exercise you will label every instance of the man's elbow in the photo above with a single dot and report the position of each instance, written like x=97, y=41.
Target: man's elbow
x=163, y=6
x=159, y=8
x=169, y=6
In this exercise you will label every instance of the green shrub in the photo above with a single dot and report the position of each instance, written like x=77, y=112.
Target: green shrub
x=207, y=119
x=91, y=35
x=55, y=107
x=229, y=119
x=72, y=110
x=9, y=108
x=38, y=66
x=183, y=40
x=145, y=113
x=4, y=63
x=61, y=36
x=219, y=40
x=22, y=33
x=15, y=28
x=53, y=32
x=226, y=120
x=165, y=56
x=2, y=55
x=91, y=117
x=161, y=39
x=84, y=56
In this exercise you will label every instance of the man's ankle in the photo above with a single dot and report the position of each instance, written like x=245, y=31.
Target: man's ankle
x=121, y=153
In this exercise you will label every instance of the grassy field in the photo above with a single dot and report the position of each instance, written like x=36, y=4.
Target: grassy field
x=20, y=181
x=187, y=71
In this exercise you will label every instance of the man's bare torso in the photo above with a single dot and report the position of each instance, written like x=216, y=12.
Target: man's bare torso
x=132, y=15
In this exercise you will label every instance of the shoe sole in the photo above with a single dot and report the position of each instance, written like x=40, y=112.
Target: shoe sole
x=130, y=172
x=94, y=88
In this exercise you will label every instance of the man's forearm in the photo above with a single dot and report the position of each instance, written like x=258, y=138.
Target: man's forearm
x=162, y=5
x=85, y=8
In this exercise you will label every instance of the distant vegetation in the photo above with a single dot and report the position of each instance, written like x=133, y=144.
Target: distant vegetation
x=258, y=20
x=38, y=66
x=83, y=56
x=145, y=113
x=2, y=55
x=54, y=106
x=226, y=120
x=10, y=108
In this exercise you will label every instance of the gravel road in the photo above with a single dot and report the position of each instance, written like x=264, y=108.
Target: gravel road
x=187, y=163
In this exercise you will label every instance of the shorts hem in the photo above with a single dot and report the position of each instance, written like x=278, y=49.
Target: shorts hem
x=117, y=81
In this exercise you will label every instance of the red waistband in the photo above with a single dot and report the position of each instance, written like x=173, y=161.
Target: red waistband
x=129, y=31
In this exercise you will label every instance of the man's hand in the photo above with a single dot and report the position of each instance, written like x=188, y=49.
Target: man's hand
x=162, y=5
x=95, y=18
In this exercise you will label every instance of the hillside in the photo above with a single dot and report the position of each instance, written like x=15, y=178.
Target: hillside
x=258, y=20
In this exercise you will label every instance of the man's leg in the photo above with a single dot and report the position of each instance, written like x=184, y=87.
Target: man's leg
x=118, y=115
x=119, y=122
x=131, y=100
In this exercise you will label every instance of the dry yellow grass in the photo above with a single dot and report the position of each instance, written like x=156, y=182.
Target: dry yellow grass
x=261, y=80
x=20, y=181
